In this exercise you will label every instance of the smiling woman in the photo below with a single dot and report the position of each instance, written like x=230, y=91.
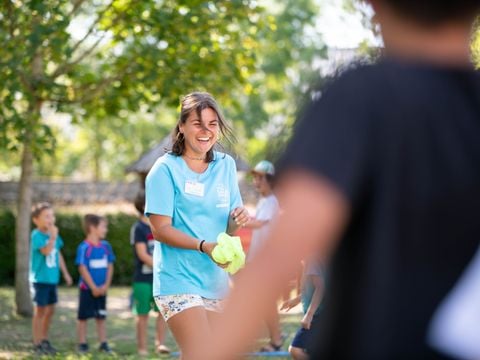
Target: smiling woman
x=192, y=195
x=200, y=123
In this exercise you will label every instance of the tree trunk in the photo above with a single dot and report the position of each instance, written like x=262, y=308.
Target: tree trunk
x=22, y=227
x=22, y=288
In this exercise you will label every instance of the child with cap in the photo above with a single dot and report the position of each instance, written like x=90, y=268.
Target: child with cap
x=267, y=208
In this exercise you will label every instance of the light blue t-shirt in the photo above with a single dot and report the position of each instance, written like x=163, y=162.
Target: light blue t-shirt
x=44, y=269
x=311, y=269
x=199, y=205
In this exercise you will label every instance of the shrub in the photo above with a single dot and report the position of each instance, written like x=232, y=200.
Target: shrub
x=7, y=247
x=71, y=231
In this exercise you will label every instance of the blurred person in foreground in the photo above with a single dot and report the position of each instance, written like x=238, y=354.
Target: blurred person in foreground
x=382, y=176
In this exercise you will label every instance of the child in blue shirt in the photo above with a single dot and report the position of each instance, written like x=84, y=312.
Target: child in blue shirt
x=312, y=290
x=46, y=261
x=95, y=259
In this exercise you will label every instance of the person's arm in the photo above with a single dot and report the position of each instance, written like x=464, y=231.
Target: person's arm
x=47, y=249
x=287, y=305
x=108, y=280
x=239, y=215
x=164, y=232
x=291, y=303
x=315, y=302
x=315, y=213
x=142, y=253
x=83, y=271
x=64, y=269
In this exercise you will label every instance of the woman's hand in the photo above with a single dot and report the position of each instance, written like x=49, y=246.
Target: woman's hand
x=239, y=217
x=207, y=248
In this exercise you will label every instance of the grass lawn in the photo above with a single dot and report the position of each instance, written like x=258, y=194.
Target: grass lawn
x=15, y=332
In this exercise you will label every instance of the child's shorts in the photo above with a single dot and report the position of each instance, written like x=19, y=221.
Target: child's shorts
x=44, y=294
x=90, y=306
x=143, y=300
x=170, y=305
x=304, y=337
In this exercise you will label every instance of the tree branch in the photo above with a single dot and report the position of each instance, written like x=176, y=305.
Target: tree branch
x=76, y=6
x=12, y=20
x=65, y=67
x=91, y=90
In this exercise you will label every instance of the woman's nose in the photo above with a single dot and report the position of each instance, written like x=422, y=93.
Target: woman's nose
x=205, y=128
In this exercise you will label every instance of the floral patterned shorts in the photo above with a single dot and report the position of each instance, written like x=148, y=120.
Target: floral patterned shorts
x=170, y=305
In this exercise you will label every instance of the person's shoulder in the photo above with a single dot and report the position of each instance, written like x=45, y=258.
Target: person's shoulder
x=314, y=268
x=83, y=245
x=137, y=224
x=35, y=233
x=220, y=155
x=59, y=237
x=223, y=158
x=105, y=242
x=82, y=249
x=272, y=198
x=164, y=164
x=140, y=228
x=166, y=160
x=361, y=81
x=143, y=226
x=353, y=97
x=107, y=245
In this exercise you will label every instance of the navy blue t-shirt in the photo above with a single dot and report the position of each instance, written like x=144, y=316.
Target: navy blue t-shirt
x=401, y=141
x=141, y=233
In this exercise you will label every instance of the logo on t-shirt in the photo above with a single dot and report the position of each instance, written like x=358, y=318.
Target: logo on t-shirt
x=223, y=195
x=99, y=263
x=51, y=259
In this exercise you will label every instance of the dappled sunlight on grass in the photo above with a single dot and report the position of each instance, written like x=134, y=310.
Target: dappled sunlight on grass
x=15, y=332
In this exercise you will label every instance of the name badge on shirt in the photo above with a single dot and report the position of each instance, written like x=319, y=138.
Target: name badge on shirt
x=194, y=188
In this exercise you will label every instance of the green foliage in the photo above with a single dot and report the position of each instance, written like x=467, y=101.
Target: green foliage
x=109, y=63
x=94, y=59
x=70, y=228
x=119, y=236
x=476, y=45
x=267, y=105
